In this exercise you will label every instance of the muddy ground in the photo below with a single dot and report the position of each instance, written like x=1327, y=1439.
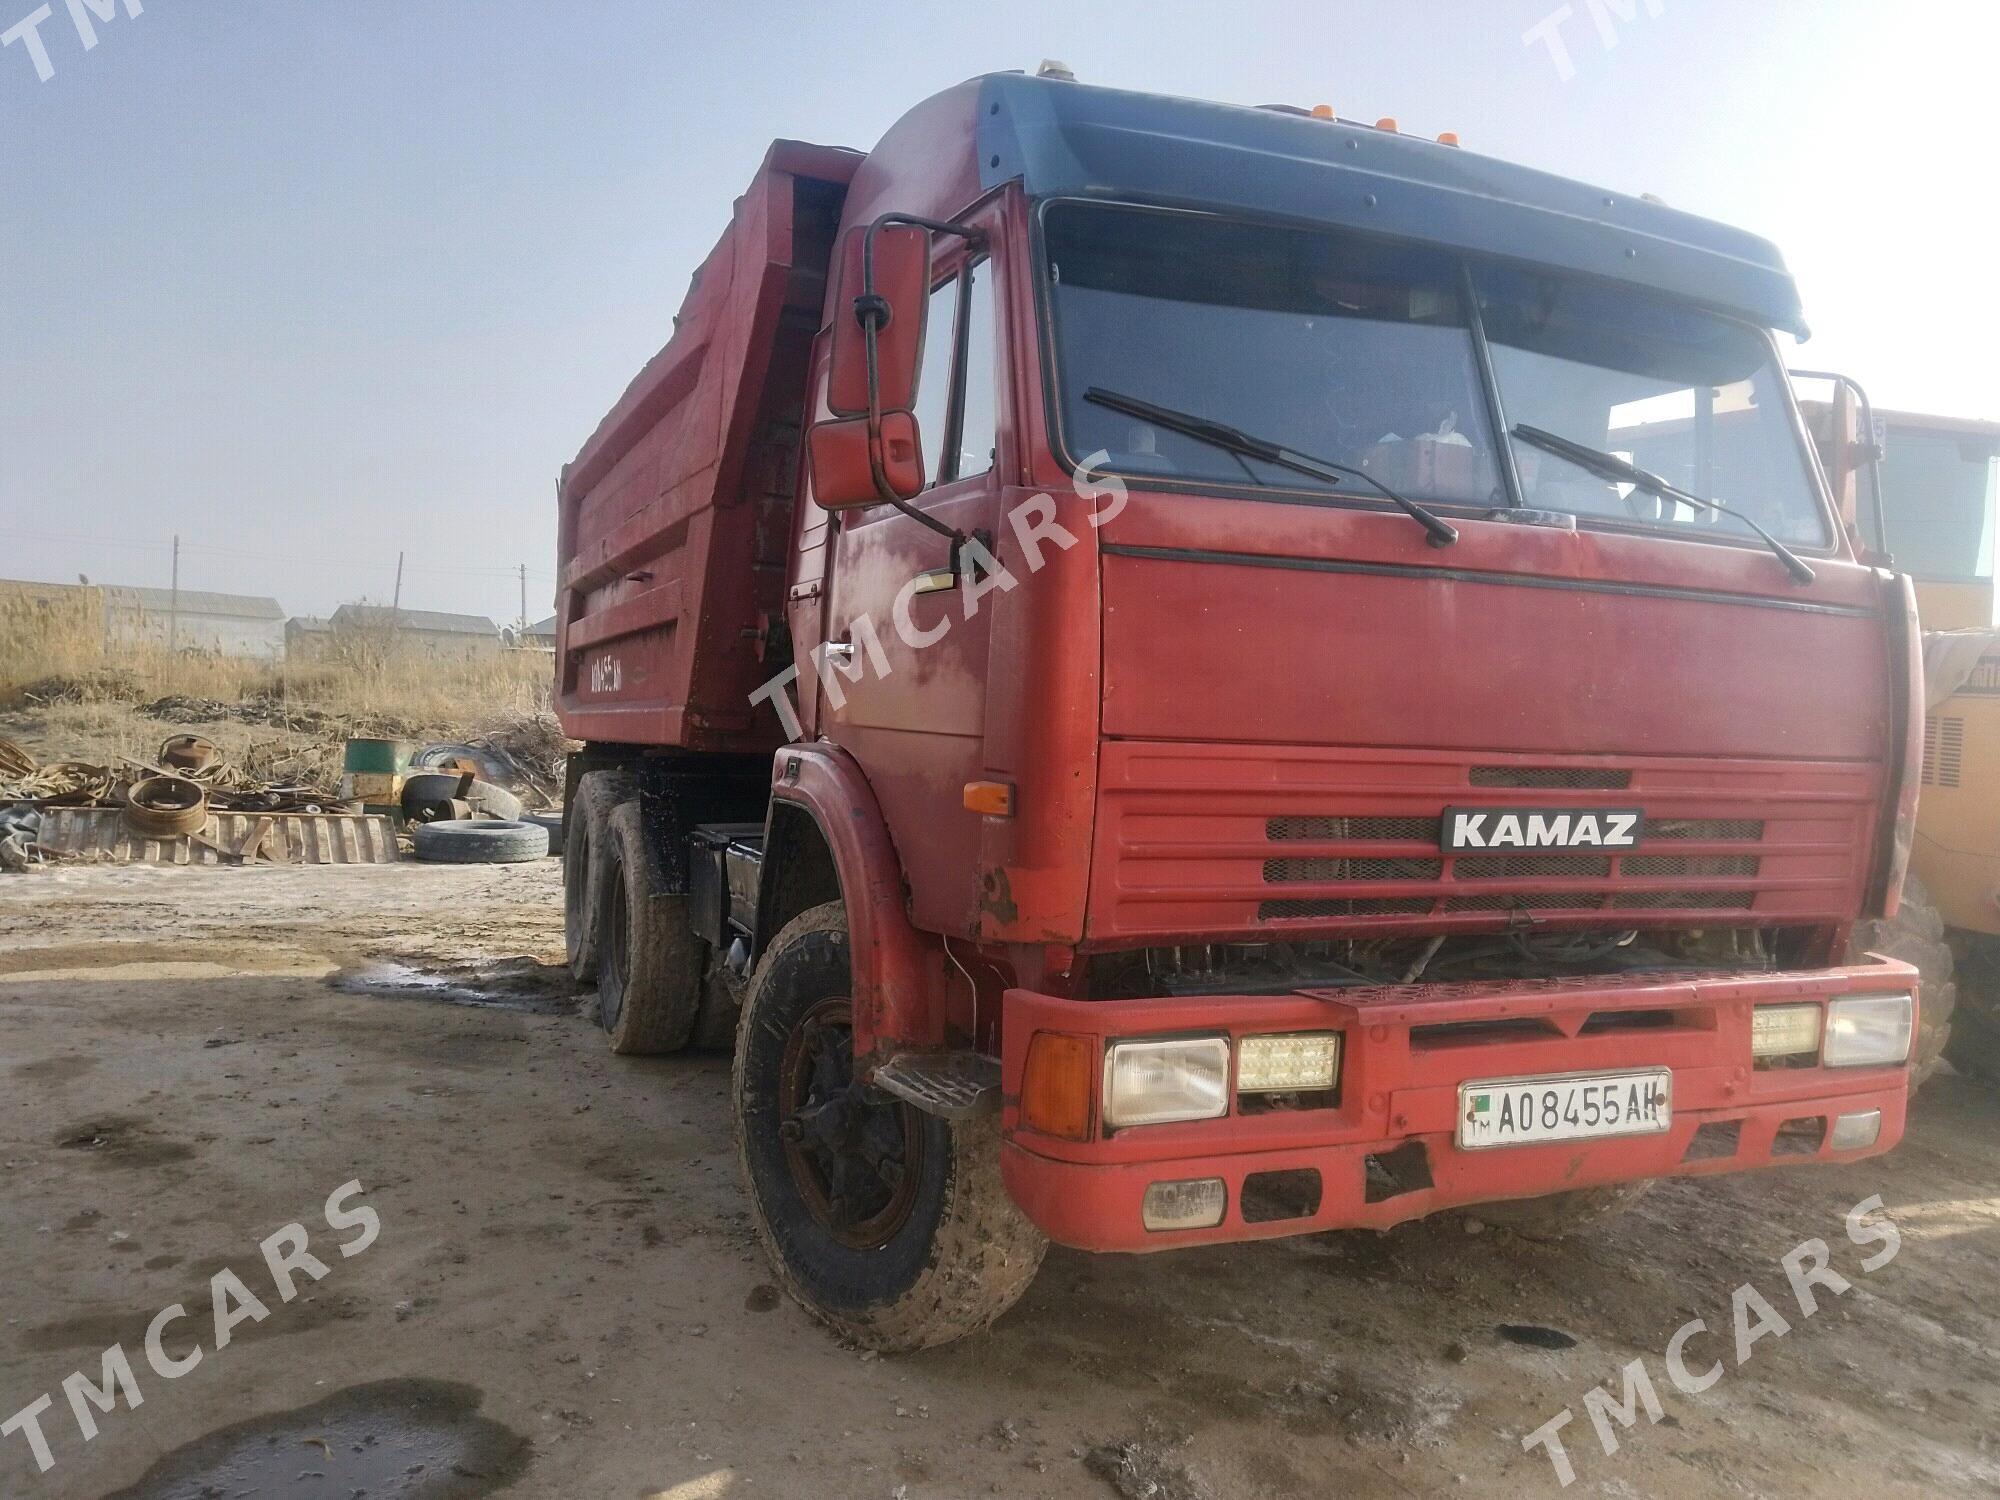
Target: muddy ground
x=566, y=1299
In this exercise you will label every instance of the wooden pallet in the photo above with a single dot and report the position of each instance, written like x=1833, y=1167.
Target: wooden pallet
x=230, y=838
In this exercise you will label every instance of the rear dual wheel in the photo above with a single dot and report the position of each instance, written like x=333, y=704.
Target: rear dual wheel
x=649, y=961
x=890, y=1225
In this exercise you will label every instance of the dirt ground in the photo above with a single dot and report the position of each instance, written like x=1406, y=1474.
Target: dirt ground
x=566, y=1299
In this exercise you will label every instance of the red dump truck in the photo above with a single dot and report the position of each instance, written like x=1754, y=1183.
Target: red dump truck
x=1129, y=663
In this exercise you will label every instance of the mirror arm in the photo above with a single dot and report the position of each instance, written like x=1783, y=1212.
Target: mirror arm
x=872, y=312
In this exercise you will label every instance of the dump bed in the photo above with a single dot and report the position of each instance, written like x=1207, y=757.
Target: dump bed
x=675, y=519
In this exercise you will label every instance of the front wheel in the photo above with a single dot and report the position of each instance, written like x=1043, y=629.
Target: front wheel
x=889, y=1225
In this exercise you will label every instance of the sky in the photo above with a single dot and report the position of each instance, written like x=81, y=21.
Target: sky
x=310, y=285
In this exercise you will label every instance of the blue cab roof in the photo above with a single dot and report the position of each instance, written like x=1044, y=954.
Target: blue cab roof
x=1064, y=139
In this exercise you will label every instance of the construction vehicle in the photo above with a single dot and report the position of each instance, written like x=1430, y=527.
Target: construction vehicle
x=1132, y=661
x=1921, y=490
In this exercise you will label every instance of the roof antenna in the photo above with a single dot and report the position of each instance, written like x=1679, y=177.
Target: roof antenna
x=1050, y=68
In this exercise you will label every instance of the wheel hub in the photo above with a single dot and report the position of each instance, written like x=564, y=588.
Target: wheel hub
x=853, y=1154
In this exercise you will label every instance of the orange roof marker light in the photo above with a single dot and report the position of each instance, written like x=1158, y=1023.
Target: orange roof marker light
x=1388, y=123
x=1449, y=138
x=1322, y=111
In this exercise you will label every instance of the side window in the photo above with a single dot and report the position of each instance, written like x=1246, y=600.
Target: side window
x=977, y=417
x=933, y=406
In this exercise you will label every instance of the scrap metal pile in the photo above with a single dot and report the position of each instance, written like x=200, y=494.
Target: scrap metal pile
x=454, y=801
x=189, y=792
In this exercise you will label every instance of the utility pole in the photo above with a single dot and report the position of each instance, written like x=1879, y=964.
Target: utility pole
x=174, y=607
x=523, y=637
x=396, y=603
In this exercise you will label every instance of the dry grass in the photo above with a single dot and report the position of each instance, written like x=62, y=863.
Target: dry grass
x=66, y=697
x=56, y=654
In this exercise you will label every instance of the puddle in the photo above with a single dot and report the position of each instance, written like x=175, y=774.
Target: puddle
x=1536, y=1336
x=393, y=1440
x=519, y=984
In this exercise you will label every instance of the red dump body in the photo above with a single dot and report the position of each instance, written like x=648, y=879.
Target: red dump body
x=675, y=517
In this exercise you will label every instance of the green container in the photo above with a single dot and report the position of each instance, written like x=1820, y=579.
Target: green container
x=372, y=772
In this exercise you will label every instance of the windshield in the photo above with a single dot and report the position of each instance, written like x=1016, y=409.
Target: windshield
x=1938, y=493
x=1357, y=353
x=1696, y=399
x=1366, y=353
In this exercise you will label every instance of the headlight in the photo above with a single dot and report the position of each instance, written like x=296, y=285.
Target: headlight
x=1784, y=1030
x=1868, y=1029
x=1302, y=1064
x=1151, y=1083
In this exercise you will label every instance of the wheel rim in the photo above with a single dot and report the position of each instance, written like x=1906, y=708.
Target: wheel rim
x=611, y=962
x=855, y=1159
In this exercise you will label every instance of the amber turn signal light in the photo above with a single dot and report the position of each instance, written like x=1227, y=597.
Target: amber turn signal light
x=1056, y=1085
x=992, y=799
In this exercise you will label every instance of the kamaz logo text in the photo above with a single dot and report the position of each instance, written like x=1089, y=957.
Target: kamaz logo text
x=1539, y=828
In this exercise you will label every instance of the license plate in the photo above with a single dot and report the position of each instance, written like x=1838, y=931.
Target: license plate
x=1570, y=1107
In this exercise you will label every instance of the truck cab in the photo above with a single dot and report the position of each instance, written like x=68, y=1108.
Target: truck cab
x=1198, y=673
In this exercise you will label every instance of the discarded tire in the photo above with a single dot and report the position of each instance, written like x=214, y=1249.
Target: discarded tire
x=649, y=961
x=494, y=801
x=480, y=843
x=552, y=821
x=166, y=807
x=1917, y=937
x=889, y=1225
x=586, y=845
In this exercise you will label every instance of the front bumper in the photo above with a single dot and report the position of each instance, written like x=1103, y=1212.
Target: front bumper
x=1384, y=1151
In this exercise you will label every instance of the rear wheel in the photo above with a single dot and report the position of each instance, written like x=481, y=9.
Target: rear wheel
x=1916, y=936
x=1560, y=1214
x=649, y=961
x=586, y=850
x=889, y=1225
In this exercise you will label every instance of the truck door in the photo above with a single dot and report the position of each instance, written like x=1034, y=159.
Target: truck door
x=905, y=687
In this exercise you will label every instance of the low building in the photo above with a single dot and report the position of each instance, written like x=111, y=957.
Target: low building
x=242, y=625
x=307, y=637
x=540, y=636
x=425, y=630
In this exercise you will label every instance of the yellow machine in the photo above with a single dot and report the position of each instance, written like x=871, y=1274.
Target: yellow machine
x=1922, y=490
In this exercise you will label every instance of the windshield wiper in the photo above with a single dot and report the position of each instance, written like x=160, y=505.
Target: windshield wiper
x=1620, y=471
x=1234, y=440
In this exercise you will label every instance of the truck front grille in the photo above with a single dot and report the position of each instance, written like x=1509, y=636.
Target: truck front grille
x=1218, y=839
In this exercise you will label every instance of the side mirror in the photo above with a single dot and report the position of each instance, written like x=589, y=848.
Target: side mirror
x=869, y=450
x=892, y=284
x=843, y=469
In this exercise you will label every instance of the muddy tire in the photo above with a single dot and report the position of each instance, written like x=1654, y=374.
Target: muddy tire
x=586, y=850
x=890, y=1226
x=1917, y=937
x=1561, y=1214
x=1973, y=1047
x=649, y=961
